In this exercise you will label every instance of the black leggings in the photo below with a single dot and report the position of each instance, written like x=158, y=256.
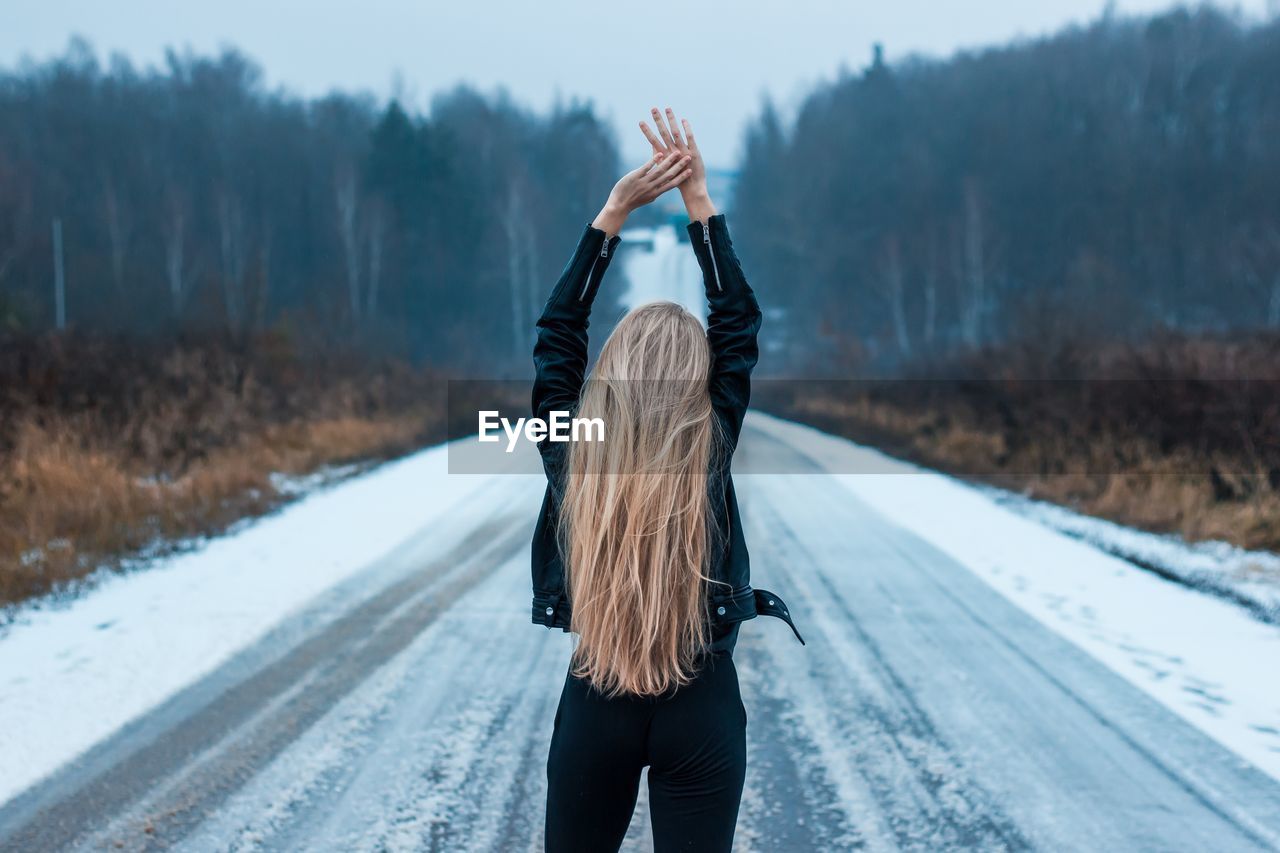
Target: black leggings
x=694, y=742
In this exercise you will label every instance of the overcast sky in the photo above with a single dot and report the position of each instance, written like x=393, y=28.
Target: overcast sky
x=711, y=59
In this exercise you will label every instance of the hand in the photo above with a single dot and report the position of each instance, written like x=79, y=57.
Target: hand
x=639, y=187
x=671, y=140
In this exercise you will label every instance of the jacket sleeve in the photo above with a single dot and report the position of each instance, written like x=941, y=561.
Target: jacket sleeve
x=560, y=351
x=733, y=322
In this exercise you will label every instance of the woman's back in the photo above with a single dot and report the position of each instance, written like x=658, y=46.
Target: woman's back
x=638, y=547
x=634, y=518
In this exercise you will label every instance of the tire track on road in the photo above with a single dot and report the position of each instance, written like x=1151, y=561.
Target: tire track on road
x=442, y=751
x=916, y=781
x=329, y=664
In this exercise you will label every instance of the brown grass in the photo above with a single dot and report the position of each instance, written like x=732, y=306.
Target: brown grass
x=110, y=448
x=1167, y=437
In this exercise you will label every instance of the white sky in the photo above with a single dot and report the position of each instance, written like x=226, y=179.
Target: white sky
x=710, y=59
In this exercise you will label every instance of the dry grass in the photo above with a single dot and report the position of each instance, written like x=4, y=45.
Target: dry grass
x=66, y=507
x=109, y=448
x=1166, y=437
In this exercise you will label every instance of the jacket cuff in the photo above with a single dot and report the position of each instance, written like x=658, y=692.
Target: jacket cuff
x=746, y=603
x=576, y=290
x=551, y=610
x=736, y=606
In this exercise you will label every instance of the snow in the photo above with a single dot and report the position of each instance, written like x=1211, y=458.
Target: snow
x=1250, y=578
x=1205, y=659
x=72, y=675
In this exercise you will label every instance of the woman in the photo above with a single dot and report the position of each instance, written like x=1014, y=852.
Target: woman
x=639, y=547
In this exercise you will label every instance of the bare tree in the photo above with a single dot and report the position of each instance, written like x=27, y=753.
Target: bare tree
x=931, y=273
x=346, y=201
x=513, y=217
x=174, y=229
x=234, y=255
x=376, y=237
x=894, y=293
x=262, y=294
x=533, y=285
x=974, y=292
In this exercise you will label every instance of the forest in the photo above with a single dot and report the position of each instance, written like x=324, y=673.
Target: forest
x=193, y=200
x=1107, y=182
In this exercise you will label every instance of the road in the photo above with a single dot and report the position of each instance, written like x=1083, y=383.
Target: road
x=411, y=710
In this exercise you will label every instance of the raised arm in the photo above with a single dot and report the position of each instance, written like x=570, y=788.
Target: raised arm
x=733, y=317
x=733, y=321
x=560, y=352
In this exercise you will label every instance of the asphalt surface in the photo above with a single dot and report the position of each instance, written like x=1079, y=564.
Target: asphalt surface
x=411, y=710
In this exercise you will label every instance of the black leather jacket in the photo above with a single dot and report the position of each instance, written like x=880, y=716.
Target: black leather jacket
x=560, y=360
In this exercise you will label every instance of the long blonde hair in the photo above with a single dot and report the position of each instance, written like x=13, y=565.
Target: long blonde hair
x=634, y=521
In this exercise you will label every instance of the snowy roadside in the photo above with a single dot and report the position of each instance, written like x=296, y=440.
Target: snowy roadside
x=74, y=673
x=1206, y=659
x=1248, y=578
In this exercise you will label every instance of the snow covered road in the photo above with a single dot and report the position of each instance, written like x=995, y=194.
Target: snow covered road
x=409, y=707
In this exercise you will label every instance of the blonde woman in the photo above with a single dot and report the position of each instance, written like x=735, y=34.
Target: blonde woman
x=639, y=548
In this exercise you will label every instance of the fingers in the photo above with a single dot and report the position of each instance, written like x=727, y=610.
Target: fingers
x=655, y=167
x=662, y=127
x=658, y=144
x=688, y=135
x=670, y=166
x=665, y=164
x=675, y=131
x=651, y=165
x=676, y=181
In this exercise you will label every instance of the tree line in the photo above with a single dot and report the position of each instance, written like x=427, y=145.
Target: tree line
x=193, y=198
x=1106, y=181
